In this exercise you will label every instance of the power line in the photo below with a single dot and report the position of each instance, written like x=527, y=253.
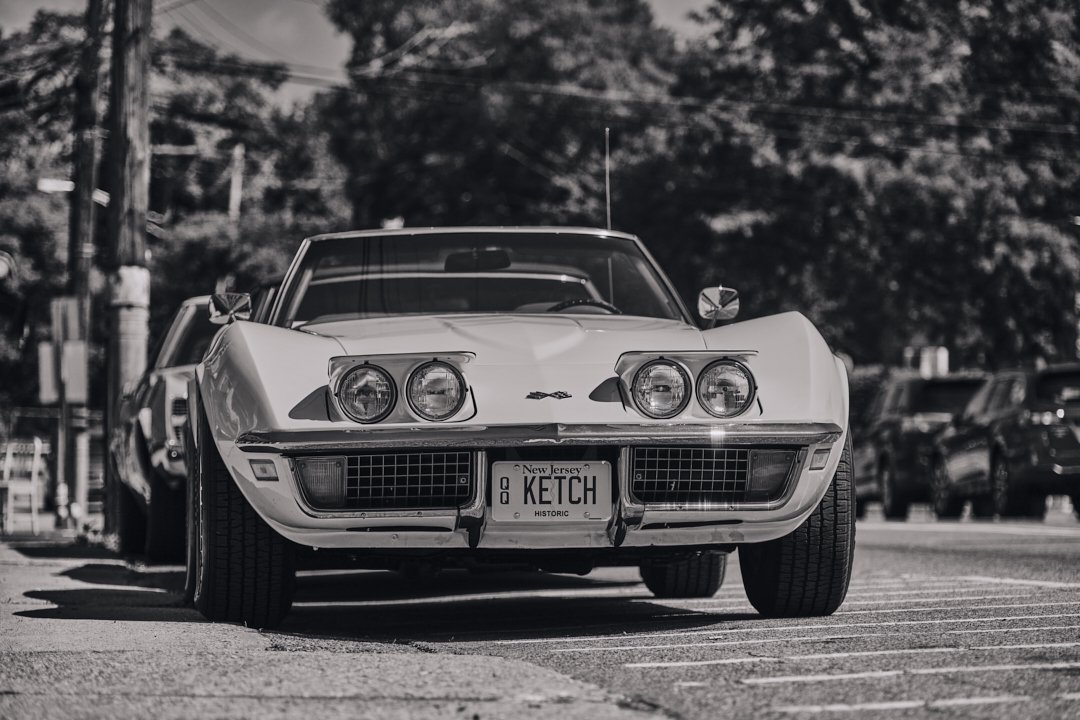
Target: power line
x=230, y=27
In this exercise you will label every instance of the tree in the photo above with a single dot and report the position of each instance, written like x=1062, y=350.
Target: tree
x=904, y=173
x=476, y=111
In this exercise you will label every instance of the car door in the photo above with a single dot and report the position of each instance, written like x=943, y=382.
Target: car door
x=883, y=427
x=980, y=439
x=865, y=453
x=1004, y=415
x=959, y=439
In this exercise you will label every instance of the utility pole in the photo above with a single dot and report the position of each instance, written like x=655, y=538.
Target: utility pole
x=129, y=185
x=81, y=242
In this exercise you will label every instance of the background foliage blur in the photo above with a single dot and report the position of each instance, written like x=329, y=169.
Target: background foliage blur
x=902, y=173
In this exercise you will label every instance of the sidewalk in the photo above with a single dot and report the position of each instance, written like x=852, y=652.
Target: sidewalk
x=85, y=634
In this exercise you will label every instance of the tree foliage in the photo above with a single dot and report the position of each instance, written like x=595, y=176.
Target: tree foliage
x=902, y=173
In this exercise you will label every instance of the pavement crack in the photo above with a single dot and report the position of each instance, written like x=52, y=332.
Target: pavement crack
x=642, y=704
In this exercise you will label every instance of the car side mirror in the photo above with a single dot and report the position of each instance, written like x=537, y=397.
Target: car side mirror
x=718, y=303
x=226, y=307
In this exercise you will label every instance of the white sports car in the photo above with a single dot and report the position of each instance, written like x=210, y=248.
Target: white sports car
x=462, y=396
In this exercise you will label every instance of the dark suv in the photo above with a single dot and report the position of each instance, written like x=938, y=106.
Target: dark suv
x=1016, y=442
x=895, y=450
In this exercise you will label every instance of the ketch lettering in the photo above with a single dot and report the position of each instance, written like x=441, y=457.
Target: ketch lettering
x=558, y=395
x=559, y=489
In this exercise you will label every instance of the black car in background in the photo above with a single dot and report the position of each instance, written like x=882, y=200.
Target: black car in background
x=1016, y=442
x=894, y=448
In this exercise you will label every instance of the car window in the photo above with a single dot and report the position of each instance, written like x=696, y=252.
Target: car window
x=1000, y=395
x=944, y=396
x=1058, y=387
x=978, y=403
x=892, y=399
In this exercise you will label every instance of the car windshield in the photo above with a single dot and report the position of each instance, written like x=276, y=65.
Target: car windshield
x=1059, y=387
x=440, y=273
x=944, y=396
x=194, y=331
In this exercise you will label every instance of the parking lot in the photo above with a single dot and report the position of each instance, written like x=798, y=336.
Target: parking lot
x=943, y=619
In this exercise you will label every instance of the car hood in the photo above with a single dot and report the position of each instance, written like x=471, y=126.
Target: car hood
x=514, y=339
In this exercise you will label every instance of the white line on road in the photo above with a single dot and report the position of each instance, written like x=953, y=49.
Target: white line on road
x=717, y=633
x=772, y=658
x=809, y=639
x=902, y=704
x=779, y=679
x=849, y=654
x=1020, y=581
x=975, y=529
x=976, y=631
x=954, y=608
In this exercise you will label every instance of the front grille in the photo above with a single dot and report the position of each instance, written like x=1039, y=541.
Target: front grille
x=179, y=407
x=408, y=480
x=689, y=475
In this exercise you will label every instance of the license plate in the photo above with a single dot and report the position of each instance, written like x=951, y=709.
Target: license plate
x=551, y=491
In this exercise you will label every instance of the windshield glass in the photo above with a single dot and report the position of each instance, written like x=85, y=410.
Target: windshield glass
x=1059, y=387
x=946, y=396
x=193, y=332
x=439, y=273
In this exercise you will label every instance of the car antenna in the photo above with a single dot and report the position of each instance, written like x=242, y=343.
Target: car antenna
x=607, y=173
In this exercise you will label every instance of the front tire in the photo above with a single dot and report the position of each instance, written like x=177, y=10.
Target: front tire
x=806, y=573
x=946, y=505
x=694, y=576
x=1011, y=500
x=244, y=571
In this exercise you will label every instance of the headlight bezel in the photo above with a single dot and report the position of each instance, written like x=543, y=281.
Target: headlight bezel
x=687, y=388
x=415, y=373
x=751, y=382
x=344, y=406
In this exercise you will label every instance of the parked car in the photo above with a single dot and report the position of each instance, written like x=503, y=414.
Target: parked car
x=894, y=450
x=147, y=443
x=1016, y=442
x=538, y=395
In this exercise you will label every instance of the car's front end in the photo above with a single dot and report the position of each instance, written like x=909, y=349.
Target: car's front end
x=323, y=478
x=1043, y=443
x=540, y=395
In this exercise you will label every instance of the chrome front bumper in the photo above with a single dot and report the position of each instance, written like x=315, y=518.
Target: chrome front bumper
x=632, y=524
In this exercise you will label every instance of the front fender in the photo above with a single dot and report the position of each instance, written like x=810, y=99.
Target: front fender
x=254, y=377
x=798, y=376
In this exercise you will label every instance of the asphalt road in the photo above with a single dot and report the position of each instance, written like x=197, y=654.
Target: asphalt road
x=963, y=619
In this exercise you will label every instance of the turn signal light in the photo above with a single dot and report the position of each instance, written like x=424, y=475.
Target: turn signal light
x=768, y=472
x=323, y=480
x=264, y=470
x=819, y=459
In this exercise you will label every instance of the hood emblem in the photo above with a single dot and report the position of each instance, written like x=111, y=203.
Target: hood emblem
x=558, y=395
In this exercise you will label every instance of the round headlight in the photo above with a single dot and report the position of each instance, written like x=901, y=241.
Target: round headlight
x=661, y=389
x=725, y=388
x=436, y=391
x=367, y=393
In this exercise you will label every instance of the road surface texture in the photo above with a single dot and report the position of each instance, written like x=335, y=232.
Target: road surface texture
x=943, y=620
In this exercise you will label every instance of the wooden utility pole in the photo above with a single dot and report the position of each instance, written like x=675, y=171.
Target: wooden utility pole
x=81, y=239
x=129, y=186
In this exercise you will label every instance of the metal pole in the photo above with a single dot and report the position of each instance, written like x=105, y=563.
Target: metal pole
x=129, y=176
x=81, y=240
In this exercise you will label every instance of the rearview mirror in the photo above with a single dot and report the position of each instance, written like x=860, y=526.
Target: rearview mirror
x=718, y=303
x=226, y=307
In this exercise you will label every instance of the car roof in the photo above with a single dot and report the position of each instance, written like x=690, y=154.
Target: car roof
x=513, y=230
